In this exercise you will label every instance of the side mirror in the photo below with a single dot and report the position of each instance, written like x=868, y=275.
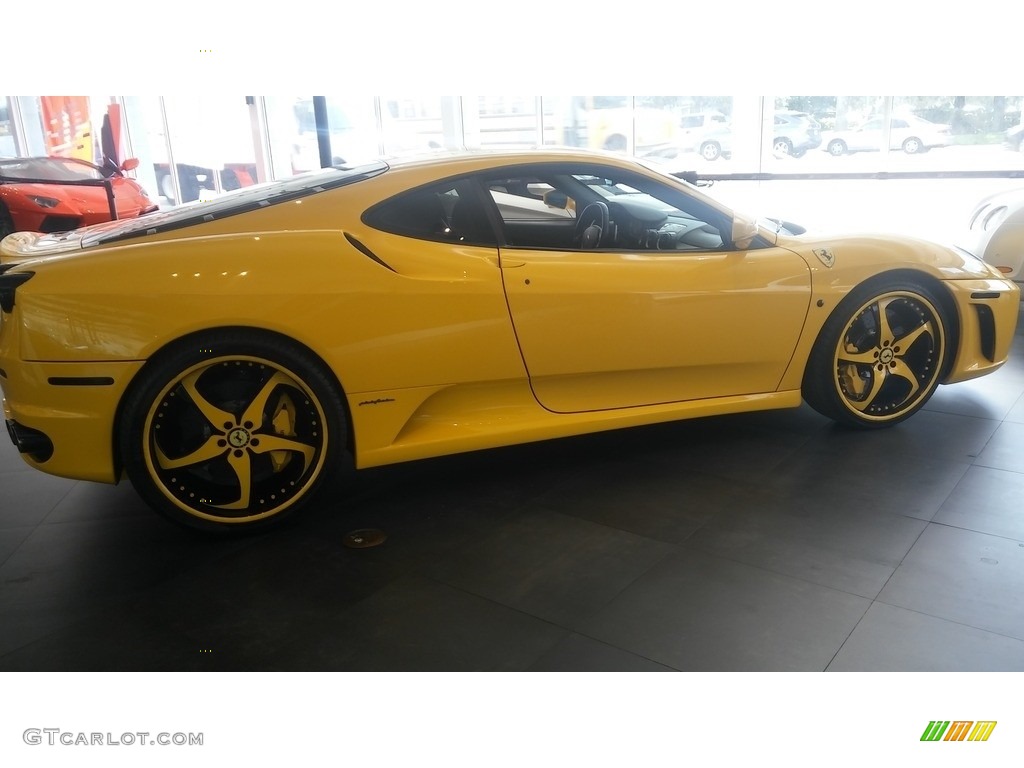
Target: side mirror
x=556, y=199
x=743, y=233
x=130, y=164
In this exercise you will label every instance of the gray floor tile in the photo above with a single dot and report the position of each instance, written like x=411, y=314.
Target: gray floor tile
x=581, y=654
x=553, y=566
x=1003, y=451
x=650, y=499
x=28, y=497
x=416, y=624
x=854, y=551
x=987, y=501
x=891, y=639
x=695, y=612
x=856, y=474
x=971, y=578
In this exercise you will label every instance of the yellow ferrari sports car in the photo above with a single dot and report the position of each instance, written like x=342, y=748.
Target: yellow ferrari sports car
x=226, y=356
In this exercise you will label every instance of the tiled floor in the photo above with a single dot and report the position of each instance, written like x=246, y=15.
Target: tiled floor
x=772, y=541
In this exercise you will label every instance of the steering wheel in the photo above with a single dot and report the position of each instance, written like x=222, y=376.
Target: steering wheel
x=591, y=225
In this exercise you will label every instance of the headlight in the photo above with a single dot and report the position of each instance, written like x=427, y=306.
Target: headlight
x=44, y=202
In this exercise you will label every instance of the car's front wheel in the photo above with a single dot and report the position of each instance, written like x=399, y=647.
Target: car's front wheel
x=710, y=150
x=231, y=431
x=879, y=356
x=837, y=147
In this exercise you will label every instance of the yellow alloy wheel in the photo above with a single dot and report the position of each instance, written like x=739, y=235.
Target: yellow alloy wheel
x=228, y=432
x=879, y=357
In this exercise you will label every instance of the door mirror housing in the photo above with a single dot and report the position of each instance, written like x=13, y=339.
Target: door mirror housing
x=743, y=233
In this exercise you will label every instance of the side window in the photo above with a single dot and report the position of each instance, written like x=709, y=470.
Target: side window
x=529, y=199
x=535, y=212
x=583, y=206
x=646, y=216
x=448, y=212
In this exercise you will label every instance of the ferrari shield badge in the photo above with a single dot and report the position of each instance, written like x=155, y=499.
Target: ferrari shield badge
x=825, y=256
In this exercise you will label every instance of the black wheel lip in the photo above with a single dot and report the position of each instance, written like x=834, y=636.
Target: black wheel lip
x=312, y=475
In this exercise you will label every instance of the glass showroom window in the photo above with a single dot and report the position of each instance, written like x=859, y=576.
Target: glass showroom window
x=502, y=122
x=7, y=145
x=207, y=145
x=701, y=139
x=412, y=124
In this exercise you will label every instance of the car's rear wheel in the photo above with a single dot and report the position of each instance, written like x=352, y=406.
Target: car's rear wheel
x=880, y=355
x=231, y=431
x=783, y=146
x=837, y=148
x=710, y=150
x=913, y=145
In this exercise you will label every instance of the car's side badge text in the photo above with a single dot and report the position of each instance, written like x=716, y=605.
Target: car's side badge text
x=378, y=401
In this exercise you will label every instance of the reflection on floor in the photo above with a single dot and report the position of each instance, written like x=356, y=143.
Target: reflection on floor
x=772, y=541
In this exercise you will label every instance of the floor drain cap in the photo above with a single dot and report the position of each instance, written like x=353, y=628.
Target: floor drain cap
x=365, y=538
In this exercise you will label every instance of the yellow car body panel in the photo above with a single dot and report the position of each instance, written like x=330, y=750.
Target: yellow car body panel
x=440, y=347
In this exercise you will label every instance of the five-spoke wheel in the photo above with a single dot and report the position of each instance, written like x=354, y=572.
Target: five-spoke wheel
x=231, y=431
x=879, y=357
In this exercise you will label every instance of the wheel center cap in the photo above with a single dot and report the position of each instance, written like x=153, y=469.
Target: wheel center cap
x=886, y=355
x=238, y=438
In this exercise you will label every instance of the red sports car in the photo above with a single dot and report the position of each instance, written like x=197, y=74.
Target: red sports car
x=55, y=194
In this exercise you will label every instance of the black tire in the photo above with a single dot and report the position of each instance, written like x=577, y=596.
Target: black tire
x=879, y=356
x=231, y=431
x=837, y=148
x=913, y=145
x=6, y=222
x=710, y=150
x=615, y=143
x=782, y=146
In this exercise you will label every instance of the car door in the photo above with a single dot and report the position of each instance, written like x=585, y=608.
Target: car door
x=652, y=316
x=868, y=137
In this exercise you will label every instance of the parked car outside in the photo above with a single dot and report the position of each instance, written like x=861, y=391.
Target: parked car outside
x=699, y=132
x=229, y=357
x=55, y=194
x=795, y=133
x=996, y=232
x=913, y=135
x=1014, y=138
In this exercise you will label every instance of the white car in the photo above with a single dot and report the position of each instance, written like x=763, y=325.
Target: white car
x=910, y=134
x=996, y=232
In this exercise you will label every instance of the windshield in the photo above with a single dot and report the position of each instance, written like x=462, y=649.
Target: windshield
x=47, y=169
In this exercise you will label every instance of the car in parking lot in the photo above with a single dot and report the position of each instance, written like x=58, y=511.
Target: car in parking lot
x=912, y=135
x=794, y=133
x=1014, y=138
x=229, y=356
